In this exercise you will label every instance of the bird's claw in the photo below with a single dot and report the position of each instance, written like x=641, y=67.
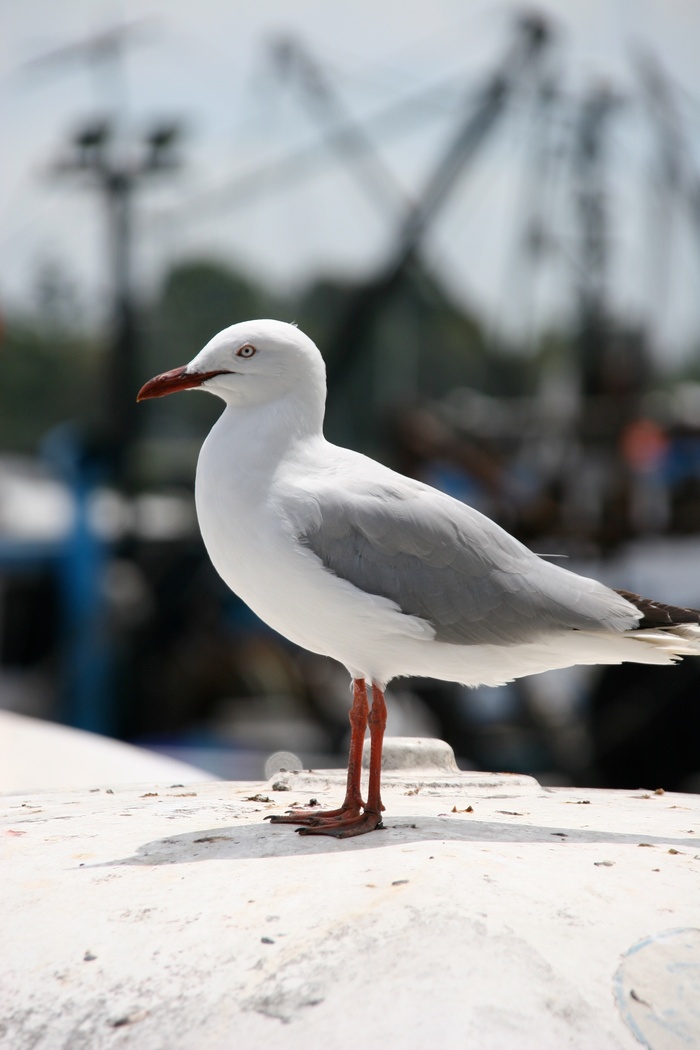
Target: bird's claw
x=338, y=823
x=345, y=828
x=316, y=817
x=302, y=816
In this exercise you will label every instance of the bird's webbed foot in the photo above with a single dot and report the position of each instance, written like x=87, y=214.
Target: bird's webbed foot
x=349, y=819
x=349, y=810
x=345, y=827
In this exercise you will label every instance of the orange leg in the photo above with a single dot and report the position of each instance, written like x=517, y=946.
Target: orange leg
x=352, y=803
x=377, y=726
x=344, y=825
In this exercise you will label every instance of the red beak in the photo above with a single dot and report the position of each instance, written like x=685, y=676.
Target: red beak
x=174, y=380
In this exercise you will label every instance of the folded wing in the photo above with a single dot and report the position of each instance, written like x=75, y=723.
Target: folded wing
x=440, y=560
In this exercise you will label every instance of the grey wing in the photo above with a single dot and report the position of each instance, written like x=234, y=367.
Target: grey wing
x=440, y=560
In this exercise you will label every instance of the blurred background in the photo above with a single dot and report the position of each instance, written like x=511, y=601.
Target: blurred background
x=488, y=218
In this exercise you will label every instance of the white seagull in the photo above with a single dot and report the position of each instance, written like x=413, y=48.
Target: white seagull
x=386, y=575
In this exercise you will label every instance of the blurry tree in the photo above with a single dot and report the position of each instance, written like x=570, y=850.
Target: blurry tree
x=421, y=346
x=199, y=298
x=50, y=366
x=56, y=304
x=44, y=381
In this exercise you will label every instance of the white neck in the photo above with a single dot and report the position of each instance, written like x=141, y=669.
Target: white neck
x=248, y=442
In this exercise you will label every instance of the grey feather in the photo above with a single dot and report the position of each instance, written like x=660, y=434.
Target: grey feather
x=441, y=560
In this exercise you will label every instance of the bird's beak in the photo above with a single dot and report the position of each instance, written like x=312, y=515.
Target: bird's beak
x=174, y=380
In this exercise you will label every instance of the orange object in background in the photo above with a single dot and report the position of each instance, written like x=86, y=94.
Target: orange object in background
x=643, y=444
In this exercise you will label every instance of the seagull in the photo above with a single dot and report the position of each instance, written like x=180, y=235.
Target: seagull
x=384, y=574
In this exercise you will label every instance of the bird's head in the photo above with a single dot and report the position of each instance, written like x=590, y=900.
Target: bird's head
x=252, y=363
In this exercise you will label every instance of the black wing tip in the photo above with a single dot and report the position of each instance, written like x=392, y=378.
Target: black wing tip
x=657, y=614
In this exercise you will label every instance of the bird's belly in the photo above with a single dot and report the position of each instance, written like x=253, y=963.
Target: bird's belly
x=264, y=581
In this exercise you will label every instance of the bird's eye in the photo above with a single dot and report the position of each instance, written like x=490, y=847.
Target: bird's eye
x=246, y=350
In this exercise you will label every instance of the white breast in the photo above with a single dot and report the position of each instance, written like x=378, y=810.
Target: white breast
x=254, y=548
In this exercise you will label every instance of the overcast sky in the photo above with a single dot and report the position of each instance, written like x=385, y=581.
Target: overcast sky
x=209, y=64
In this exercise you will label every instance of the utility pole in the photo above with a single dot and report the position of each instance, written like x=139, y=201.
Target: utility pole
x=104, y=155
x=117, y=175
x=113, y=164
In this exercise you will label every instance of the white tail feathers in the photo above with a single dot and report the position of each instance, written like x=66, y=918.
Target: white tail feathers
x=675, y=642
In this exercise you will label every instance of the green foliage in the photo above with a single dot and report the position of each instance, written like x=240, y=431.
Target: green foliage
x=417, y=347
x=45, y=379
x=197, y=300
x=412, y=345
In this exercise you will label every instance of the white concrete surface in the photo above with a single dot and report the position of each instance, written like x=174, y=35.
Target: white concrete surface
x=490, y=913
x=38, y=756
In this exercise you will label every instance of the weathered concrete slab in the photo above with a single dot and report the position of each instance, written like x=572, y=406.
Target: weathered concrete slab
x=489, y=913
